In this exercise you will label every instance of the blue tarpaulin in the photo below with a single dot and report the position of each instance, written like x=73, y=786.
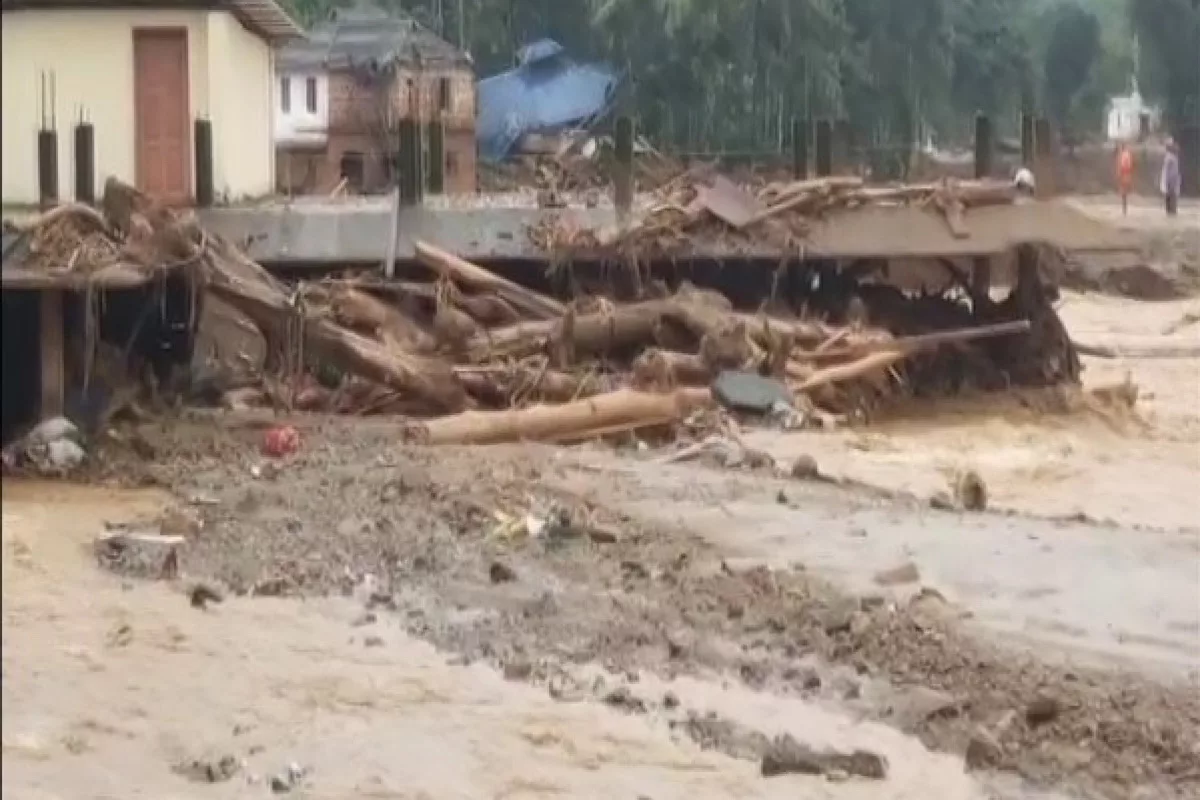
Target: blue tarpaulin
x=547, y=92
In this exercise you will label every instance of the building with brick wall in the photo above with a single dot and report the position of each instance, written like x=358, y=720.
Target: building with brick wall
x=343, y=90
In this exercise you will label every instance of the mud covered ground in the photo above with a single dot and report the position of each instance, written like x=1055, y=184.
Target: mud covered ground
x=415, y=536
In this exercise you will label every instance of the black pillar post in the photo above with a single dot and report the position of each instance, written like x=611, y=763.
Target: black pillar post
x=1189, y=159
x=1043, y=148
x=205, y=187
x=983, y=146
x=408, y=159
x=47, y=161
x=824, y=148
x=1027, y=140
x=799, y=148
x=623, y=170
x=437, y=156
x=843, y=147
x=85, y=163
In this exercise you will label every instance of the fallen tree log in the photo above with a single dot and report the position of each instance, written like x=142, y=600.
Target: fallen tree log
x=249, y=288
x=364, y=312
x=591, y=334
x=921, y=341
x=468, y=274
x=615, y=411
x=667, y=369
x=855, y=369
x=510, y=384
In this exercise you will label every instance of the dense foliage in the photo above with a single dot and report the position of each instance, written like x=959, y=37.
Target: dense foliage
x=723, y=75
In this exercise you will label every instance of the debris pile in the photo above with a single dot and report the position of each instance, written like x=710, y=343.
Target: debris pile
x=713, y=208
x=479, y=358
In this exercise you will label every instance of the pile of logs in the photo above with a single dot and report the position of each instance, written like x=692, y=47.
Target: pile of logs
x=473, y=357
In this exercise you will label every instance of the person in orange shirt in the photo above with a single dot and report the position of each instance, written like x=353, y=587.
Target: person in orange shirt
x=1124, y=176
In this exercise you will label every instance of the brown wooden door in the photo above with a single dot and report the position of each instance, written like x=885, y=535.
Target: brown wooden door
x=162, y=128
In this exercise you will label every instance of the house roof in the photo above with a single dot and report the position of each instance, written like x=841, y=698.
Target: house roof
x=365, y=35
x=266, y=18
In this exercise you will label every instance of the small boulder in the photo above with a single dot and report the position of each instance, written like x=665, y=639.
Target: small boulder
x=899, y=575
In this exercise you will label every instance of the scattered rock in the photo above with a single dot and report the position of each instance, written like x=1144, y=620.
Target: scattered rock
x=941, y=501
x=621, y=697
x=205, y=770
x=748, y=391
x=970, y=492
x=839, y=616
x=787, y=756
x=202, y=594
x=897, y=576
x=180, y=522
x=805, y=468
x=670, y=701
x=1042, y=710
x=142, y=555
x=806, y=676
x=373, y=641
x=518, y=669
x=499, y=572
x=983, y=750
x=364, y=619
x=634, y=569
x=872, y=602
x=602, y=535
x=272, y=587
x=920, y=704
x=288, y=779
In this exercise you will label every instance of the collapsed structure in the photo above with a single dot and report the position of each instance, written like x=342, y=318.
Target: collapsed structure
x=872, y=294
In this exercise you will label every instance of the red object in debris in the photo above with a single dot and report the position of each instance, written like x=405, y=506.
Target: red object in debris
x=281, y=440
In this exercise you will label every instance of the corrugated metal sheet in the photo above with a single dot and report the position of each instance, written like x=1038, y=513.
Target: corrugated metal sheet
x=546, y=93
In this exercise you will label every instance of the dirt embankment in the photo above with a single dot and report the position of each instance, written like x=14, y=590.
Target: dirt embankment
x=438, y=538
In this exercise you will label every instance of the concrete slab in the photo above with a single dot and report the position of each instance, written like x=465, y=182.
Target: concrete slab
x=357, y=232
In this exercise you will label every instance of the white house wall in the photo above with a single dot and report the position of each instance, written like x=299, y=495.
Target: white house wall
x=241, y=66
x=90, y=53
x=297, y=125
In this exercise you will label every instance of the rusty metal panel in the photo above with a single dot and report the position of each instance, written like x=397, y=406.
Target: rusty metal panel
x=729, y=202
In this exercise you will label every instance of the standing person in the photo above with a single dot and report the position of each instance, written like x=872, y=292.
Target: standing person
x=1169, y=181
x=1124, y=175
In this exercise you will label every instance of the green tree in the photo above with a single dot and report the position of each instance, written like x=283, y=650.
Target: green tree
x=1169, y=37
x=1071, y=53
